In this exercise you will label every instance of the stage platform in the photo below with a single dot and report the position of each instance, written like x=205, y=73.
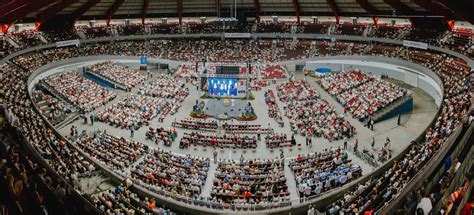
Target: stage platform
x=225, y=108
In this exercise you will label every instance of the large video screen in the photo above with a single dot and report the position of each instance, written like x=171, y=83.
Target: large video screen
x=222, y=86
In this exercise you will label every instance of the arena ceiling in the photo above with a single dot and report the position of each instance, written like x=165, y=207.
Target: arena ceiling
x=12, y=11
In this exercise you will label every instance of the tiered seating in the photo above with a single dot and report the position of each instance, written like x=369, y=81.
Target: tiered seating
x=54, y=109
x=132, y=111
x=115, y=152
x=323, y=171
x=309, y=114
x=254, y=182
x=362, y=94
x=272, y=71
x=117, y=73
x=214, y=140
x=386, y=32
x=162, y=135
x=80, y=91
x=196, y=124
x=172, y=173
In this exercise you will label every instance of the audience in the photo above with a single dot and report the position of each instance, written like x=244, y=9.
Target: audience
x=214, y=140
x=362, y=94
x=260, y=182
x=172, y=173
x=167, y=136
x=309, y=114
x=319, y=172
x=117, y=73
x=115, y=152
x=132, y=111
x=84, y=93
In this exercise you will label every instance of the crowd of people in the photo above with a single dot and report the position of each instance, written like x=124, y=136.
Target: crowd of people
x=80, y=91
x=273, y=109
x=246, y=128
x=319, y=172
x=51, y=107
x=182, y=175
x=196, y=124
x=311, y=115
x=68, y=164
x=256, y=181
x=360, y=93
x=115, y=152
x=117, y=73
x=278, y=140
x=166, y=87
x=214, y=140
x=167, y=136
x=133, y=111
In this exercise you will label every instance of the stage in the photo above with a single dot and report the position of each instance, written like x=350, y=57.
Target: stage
x=226, y=108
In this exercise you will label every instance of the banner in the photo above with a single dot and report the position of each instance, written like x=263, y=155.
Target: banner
x=414, y=44
x=237, y=35
x=68, y=43
x=143, y=60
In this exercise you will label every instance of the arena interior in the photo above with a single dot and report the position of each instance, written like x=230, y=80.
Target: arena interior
x=236, y=107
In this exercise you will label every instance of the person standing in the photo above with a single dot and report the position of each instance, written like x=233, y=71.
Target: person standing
x=311, y=210
x=373, y=142
x=345, y=143
x=131, y=132
x=214, y=152
x=92, y=119
x=356, y=144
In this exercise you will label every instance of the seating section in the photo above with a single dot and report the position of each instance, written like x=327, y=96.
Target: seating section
x=273, y=109
x=362, y=94
x=196, y=124
x=132, y=111
x=54, y=109
x=82, y=92
x=178, y=174
x=320, y=172
x=272, y=71
x=167, y=136
x=309, y=114
x=251, y=182
x=117, y=73
x=166, y=87
x=245, y=128
x=215, y=140
x=279, y=140
x=115, y=152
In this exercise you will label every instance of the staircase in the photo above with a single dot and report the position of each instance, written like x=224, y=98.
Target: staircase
x=402, y=34
x=12, y=42
x=42, y=38
x=367, y=49
x=81, y=34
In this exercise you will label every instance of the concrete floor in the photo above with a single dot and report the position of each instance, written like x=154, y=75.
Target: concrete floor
x=413, y=124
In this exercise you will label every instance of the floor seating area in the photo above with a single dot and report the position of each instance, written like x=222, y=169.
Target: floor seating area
x=133, y=111
x=167, y=136
x=309, y=114
x=250, y=182
x=196, y=124
x=214, y=140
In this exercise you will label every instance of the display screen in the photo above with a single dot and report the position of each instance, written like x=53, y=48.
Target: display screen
x=222, y=86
